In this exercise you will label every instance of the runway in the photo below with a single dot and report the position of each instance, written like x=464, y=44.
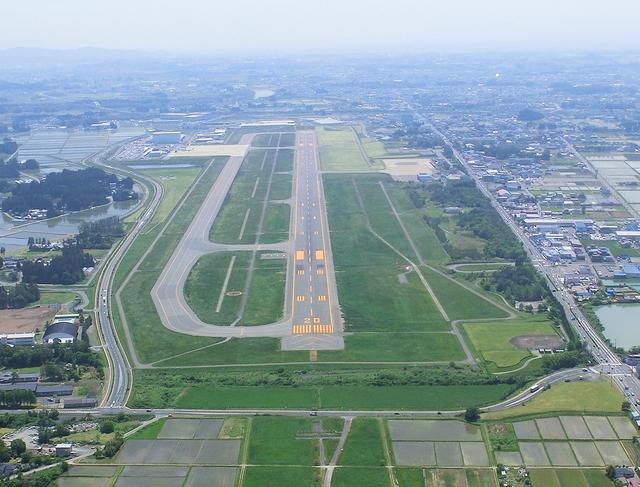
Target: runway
x=311, y=317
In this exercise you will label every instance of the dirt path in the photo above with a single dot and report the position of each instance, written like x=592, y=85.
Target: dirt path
x=387, y=454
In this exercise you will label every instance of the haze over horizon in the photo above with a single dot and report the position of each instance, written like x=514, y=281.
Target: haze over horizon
x=280, y=26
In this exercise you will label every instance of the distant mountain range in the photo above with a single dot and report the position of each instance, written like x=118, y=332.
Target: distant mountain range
x=40, y=56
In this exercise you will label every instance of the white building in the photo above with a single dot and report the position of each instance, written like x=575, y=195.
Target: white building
x=18, y=339
x=166, y=137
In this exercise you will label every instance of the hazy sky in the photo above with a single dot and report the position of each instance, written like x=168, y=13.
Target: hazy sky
x=218, y=26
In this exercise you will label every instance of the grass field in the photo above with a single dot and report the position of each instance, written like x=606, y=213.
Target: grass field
x=408, y=347
x=397, y=347
x=175, y=182
x=229, y=387
x=371, y=293
x=276, y=223
x=266, y=293
x=281, y=187
x=580, y=397
x=481, y=266
x=240, y=214
x=140, y=311
x=492, y=340
x=375, y=149
x=276, y=440
x=151, y=391
x=568, y=477
x=364, y=446
x=358, y=477
x=54, y=298
x=149, y=432
x=284, y=160
x=205, y=282
x=458, y=302
x=339, y=151
x=282, y=477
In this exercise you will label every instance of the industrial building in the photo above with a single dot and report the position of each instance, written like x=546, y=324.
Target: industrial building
x=18, y=339
x=166, y=137
x=61, y=331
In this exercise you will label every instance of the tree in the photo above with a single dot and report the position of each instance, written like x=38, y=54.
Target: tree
x=18, y=447
x=5, y=453
x=472, y=414
x=107, y=427
x=529, y=115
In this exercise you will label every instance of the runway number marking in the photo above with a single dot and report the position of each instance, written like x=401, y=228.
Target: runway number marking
x=300, y=272
x=299, y=298
x=320, y=271
x=322, y=297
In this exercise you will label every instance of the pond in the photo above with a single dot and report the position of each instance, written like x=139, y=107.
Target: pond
x=14, y=234
x=621, y=323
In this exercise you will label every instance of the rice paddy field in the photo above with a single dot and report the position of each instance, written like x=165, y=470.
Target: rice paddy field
x=63, y=149
x=294, y=451
x=56, y=150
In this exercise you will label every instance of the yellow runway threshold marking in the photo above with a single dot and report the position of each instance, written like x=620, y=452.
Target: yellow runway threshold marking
x=299, y=254
x=316, y=328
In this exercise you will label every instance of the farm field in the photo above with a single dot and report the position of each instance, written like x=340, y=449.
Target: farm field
x=285, y=451
x=568, y=478
x=170, y=452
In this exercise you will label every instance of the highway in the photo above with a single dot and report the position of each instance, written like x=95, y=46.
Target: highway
x=117, y=388
x=608, y=362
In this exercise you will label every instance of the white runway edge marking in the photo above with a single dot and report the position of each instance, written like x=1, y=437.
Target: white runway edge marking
x=223, y=291
x=244, y=223
x=255, y=188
